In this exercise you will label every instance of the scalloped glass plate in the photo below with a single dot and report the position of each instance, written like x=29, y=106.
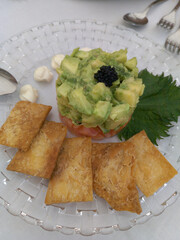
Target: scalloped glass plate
x=24, y=195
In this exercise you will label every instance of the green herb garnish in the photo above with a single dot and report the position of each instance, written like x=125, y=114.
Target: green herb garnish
x=158, y=107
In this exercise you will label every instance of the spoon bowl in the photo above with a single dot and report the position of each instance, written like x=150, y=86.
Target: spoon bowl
x=8, y=83
x=134, y=20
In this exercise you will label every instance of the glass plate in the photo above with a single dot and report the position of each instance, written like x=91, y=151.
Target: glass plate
x=24, y=195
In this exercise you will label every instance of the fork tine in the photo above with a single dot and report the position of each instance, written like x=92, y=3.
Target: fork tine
x=166, y=23
x=170, y=47
x=169, y=26
x=161, y=22
x=178, y=49
x=167, y=42
x=173, y=47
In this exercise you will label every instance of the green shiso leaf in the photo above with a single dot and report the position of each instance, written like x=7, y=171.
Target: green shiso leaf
x=158, y=107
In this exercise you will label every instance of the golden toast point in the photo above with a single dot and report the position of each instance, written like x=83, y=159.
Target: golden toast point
x=113, y=165
x=152, y=170
x=71, y=180
x=42, y=155
x=23, y=124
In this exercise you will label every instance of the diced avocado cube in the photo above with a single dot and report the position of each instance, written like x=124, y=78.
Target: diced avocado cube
x=119, y=111
x=75, y=116
x=137, y=87
x=69, y=78
x=101, y=92
x=82, y=54
x=143, y=86
x=124, y=84
x=78, y=100
x=134, y=85
x=120, y=56
x=116, y=54
x=70, y=64
x=87, y=74
x=67, y=111
x=129, y=80
x=135, y=72
x=96, y=64
x=130, y=64
x=115, y=101
x=126, y=96
x=96, y=52
x=76, y=50
x=63, y=101
x=63, y=90
x=102, y=110
x=119, y=115
x=89, y=121
x=64, y=110
x=110, y=124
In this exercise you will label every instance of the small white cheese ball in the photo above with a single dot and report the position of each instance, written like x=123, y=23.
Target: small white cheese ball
x=43, y=74
x=56, y=60
x=85, y=49
x=28, y=93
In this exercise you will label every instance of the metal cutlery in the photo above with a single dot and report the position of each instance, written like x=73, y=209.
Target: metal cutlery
x=169, y=20
x=140, y=18
x=8, y=83
x=172, y=43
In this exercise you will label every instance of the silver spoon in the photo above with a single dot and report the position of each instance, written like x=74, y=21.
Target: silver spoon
x=140, y=18
x=8, y=83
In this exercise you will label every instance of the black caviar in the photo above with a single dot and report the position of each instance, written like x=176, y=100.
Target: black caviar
x=107, y=75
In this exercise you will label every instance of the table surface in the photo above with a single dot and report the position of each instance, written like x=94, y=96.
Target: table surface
x=19, y=15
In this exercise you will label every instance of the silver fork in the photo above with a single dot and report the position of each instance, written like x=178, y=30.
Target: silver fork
x=168, y=21
x=172, y=43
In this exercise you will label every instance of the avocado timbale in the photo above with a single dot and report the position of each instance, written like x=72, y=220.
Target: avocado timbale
x=97, y=88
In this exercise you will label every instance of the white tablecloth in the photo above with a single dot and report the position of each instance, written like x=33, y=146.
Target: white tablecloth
x=19, y=15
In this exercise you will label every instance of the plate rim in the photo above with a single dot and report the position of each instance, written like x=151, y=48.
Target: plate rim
x=14, y=37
